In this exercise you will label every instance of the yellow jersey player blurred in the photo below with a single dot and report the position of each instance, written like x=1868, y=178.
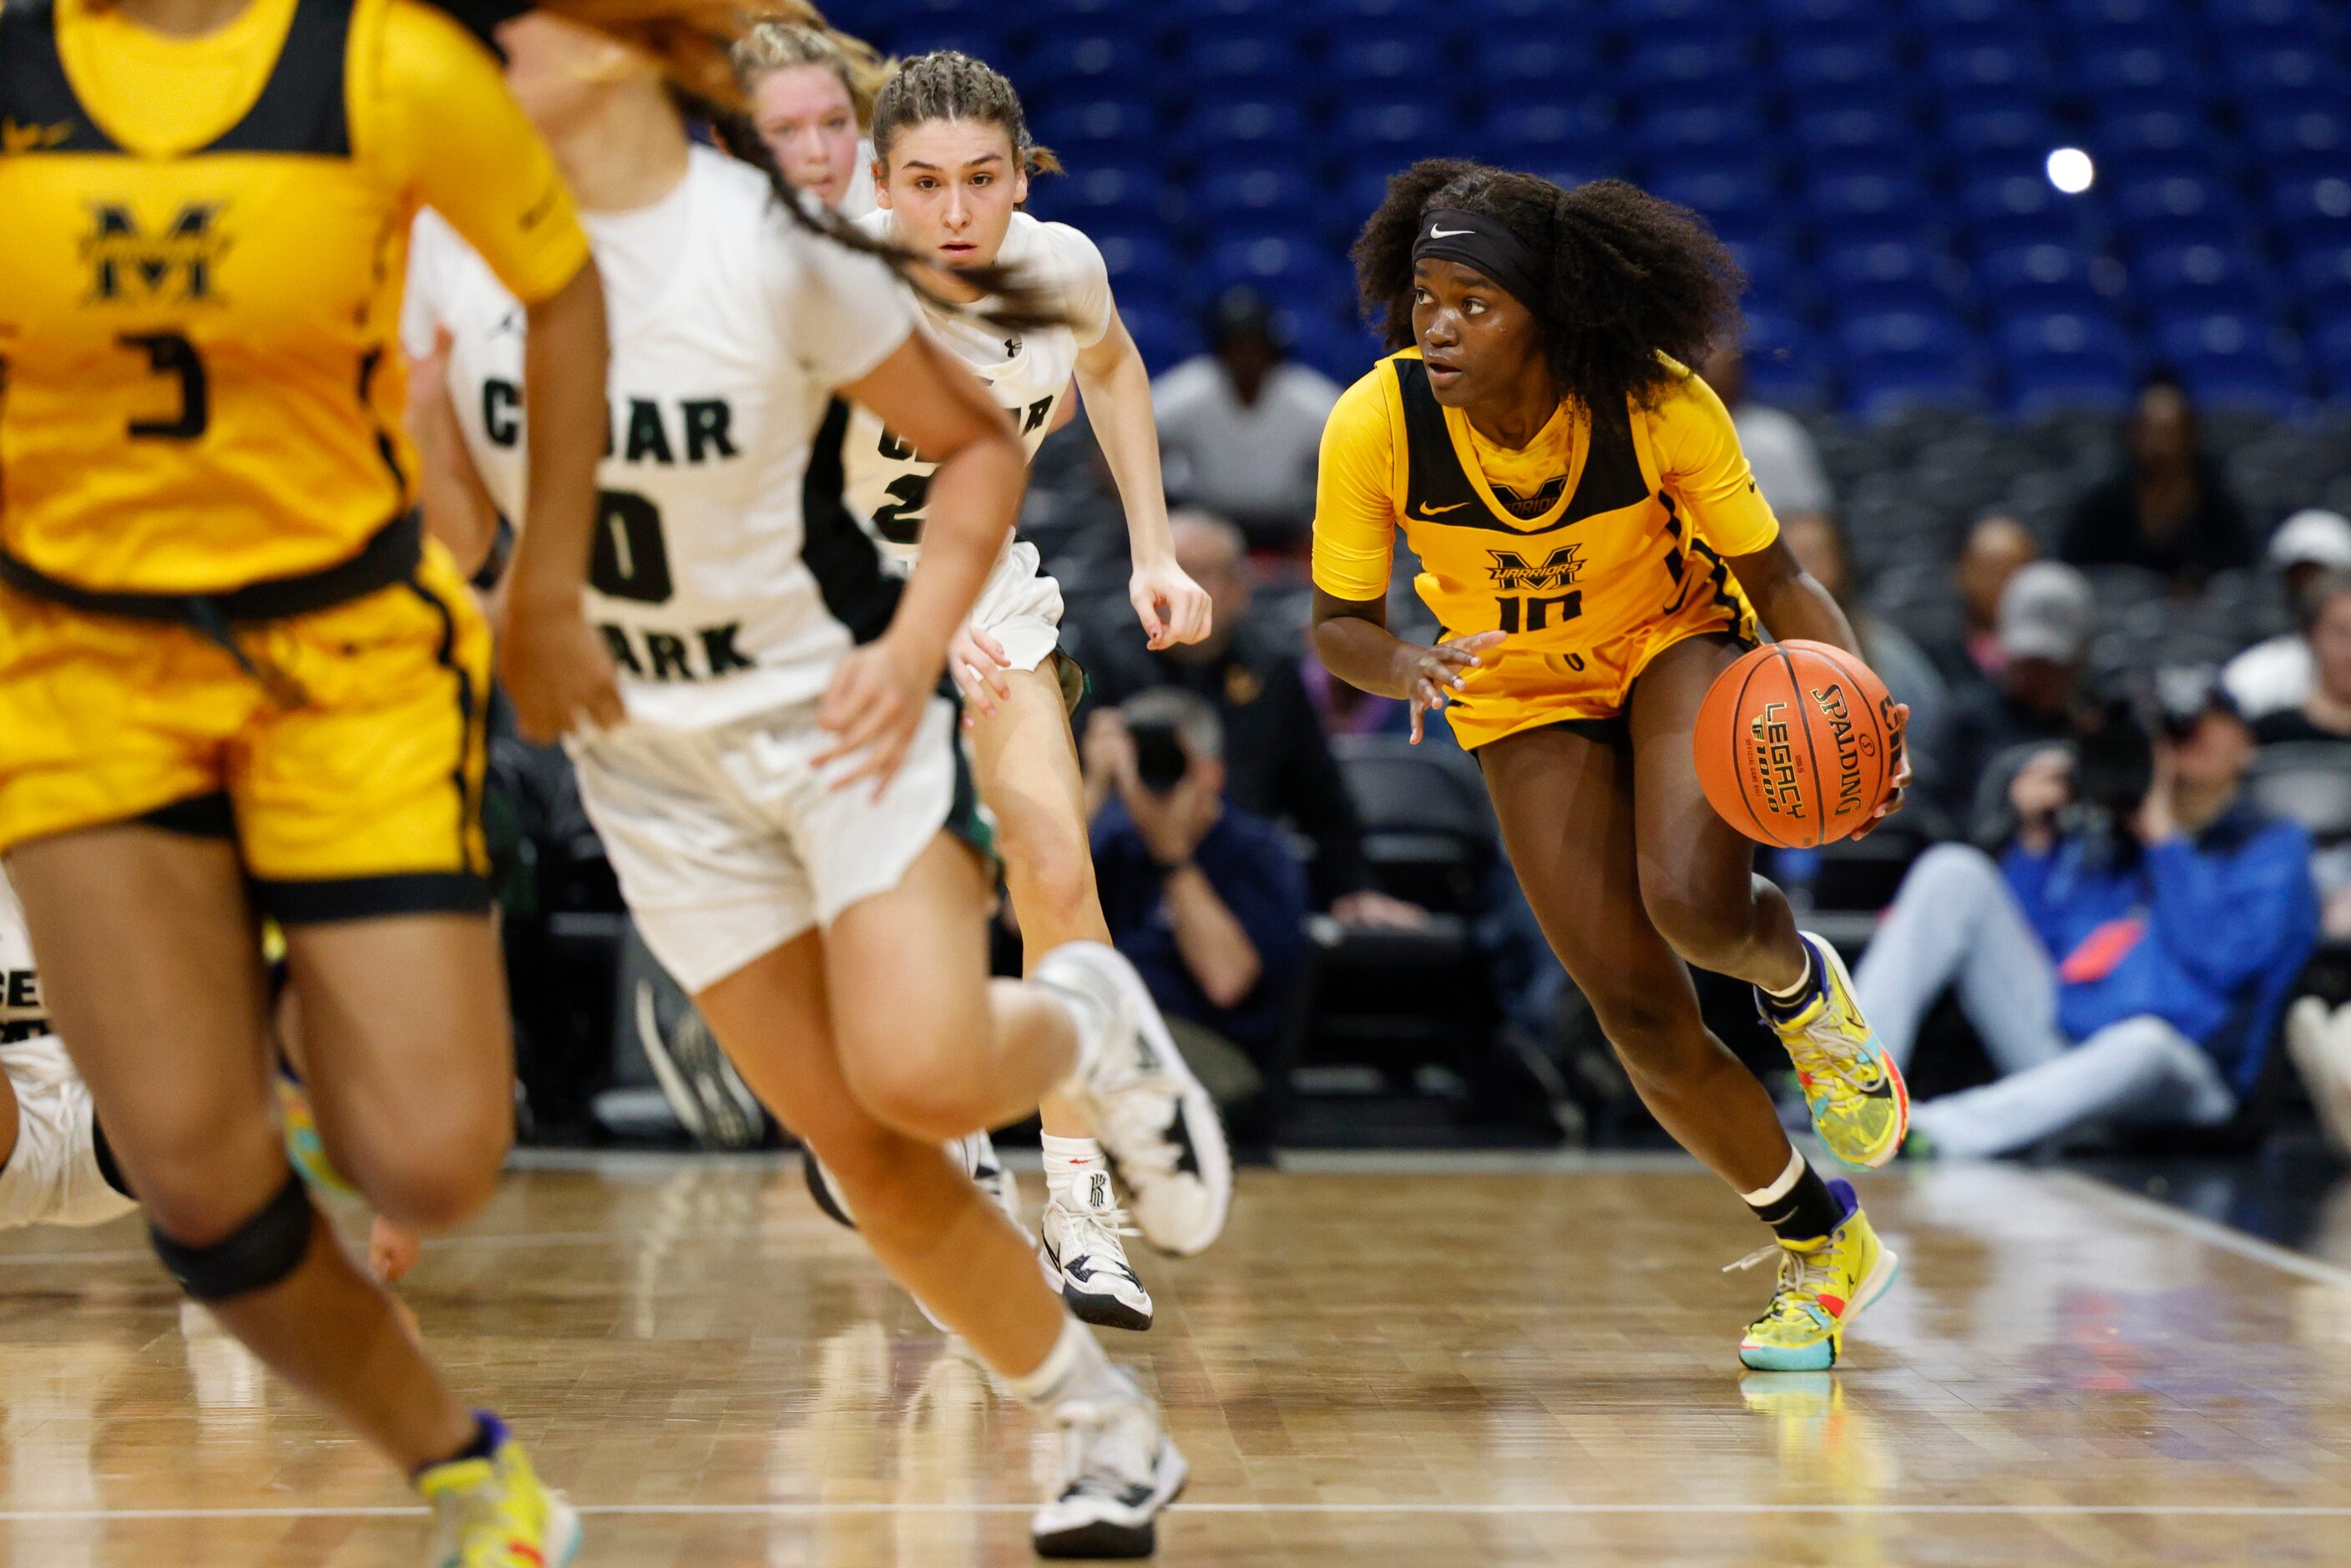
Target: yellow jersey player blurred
x=230, y=672
x=1596, y=553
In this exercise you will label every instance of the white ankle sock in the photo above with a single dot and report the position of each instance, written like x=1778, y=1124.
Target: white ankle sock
x=1782, y=1188
x=1070, y=1163
x=1804, y=981
x=1075, y=1368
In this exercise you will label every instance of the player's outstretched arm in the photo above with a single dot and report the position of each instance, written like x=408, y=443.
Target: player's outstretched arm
x=1116, y=387
x=1352, y=639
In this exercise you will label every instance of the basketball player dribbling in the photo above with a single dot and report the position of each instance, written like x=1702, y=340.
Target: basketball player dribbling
x=1596, y=552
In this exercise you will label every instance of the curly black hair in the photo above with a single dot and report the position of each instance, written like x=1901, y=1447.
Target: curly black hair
x=1627, y=276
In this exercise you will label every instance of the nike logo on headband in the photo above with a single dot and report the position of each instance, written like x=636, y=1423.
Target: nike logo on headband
x=1436, y=233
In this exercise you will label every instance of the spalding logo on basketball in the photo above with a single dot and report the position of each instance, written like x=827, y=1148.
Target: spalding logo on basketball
x=1794, y=744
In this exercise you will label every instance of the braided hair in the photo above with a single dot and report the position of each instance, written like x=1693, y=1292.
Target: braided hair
x=694, y=42
x=948, y=84
x=1627, y=277
x=773, y=46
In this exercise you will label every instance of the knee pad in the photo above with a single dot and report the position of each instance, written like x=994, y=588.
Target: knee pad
x=254, y=1257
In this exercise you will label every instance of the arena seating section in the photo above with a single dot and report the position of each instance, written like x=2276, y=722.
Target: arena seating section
x=1877, y=166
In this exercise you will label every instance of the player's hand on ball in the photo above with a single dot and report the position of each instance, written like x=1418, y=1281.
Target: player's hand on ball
x=1898, y=784
x=559, y=671
x=872, y=708
x=1431, y=674
x=1172, y=607
x=977, y=663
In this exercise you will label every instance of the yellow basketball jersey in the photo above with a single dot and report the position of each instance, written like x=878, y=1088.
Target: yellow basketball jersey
x=200, y=286
x=1601, y=544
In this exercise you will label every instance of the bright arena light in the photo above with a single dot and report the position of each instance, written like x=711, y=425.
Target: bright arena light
x=2070, y=171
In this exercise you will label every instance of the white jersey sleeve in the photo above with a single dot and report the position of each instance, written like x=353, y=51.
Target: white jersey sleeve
x=842, y=312
x=433, y=247
x=1079, y=278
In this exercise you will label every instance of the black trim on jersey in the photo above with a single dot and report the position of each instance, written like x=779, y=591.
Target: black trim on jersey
x=39, y=111
x=317, y=901
x=1439, y=489
x=858, y=590
x=301, y=108
x=469, y=808
x=369, y=363
x=206, y=816
x=390, y=555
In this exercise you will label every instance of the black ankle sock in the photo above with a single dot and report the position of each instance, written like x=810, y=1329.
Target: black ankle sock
x=1804, y=996
x=103, y=1152
x=483, y=1443
x=1805, y=1212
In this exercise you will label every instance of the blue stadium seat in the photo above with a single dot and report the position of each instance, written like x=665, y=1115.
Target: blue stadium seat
x=1722, y=193
x=2231, y=357
x=1100, y=130
x=2330, y=345
x=2202, y=277
x=1254, y=194
x=1095, y=190
x=2019, y=209
x=1138, y=258
x=1288, y=265
x=982, y=40
x=1340, y=347
x=2175, y=209
x=1774, y=279
x=2258, y=20
x=1253, y=64
x=1672, y=15
x=1503, y=62
x=1166, y=336
x=1545, y=133
x=2298, y=134
x=1404, y=129
x=1681, y=62
x=2104, y=16
x=1676, y=130
x=1251, y=128
x=1847, y=128
x=2044, y=277
x=2309, y=206
x=1972, y=18
x=1100, y=65
x=1381, y=62
x=1885, y=273
x=1825, y=16
x=1826, y=72
x=2128, y=143
x=2322, y=276
x=2264, y=72
x=2044, y=385
x=1989, y=130
x=2140, y=71
x=1840, y=199
x=1978, y=68
x=1885, y=389
x=2064, y=334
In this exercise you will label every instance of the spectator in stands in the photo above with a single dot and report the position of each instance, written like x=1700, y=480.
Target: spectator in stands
x=1239, y=427
x=1819, y=547
x=2043, y=632
x=2120, y=960
x=1207, y=899
x=1997, y=547
x=2325, y=710
x=1780, y=451
x=2272, y=676
x=2169, y=510
x=1278, y=763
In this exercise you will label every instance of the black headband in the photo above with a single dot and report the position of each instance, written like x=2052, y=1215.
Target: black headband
x=1475, y=240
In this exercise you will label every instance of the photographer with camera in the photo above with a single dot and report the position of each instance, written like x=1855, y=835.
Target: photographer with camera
x=2126, y=955
x=1206, y=900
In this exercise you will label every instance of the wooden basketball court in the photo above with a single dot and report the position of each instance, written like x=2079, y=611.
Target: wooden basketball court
x=1380, y=1364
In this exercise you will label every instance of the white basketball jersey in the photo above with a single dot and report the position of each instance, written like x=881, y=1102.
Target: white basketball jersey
x=22, y=1016
x=730, y=327
x=1029, y=373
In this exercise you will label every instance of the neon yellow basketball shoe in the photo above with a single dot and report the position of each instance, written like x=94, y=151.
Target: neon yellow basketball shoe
x=1860, y=1106
x=494, y=1513
x=1824, y=1286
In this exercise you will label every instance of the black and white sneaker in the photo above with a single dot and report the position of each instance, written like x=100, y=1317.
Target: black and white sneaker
x=712, y=1102
x=1156, y=1125
x=980, y=1162
x=1118, y=1470
x=1085, y=1260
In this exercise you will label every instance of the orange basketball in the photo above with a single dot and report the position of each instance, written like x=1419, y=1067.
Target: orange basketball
x=1795, y=743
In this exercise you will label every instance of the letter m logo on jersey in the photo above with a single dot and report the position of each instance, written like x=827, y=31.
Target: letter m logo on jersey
x=1512, y=573
x=138, y=266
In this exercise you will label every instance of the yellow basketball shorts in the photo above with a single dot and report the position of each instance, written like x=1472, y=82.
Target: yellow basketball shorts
x=352, y=786
x=1519, y=689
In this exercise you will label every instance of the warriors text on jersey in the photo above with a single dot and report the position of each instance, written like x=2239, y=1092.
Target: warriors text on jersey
x=730, y=329
x=1029, y=374
x=200, y=287
x=1597, y=545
